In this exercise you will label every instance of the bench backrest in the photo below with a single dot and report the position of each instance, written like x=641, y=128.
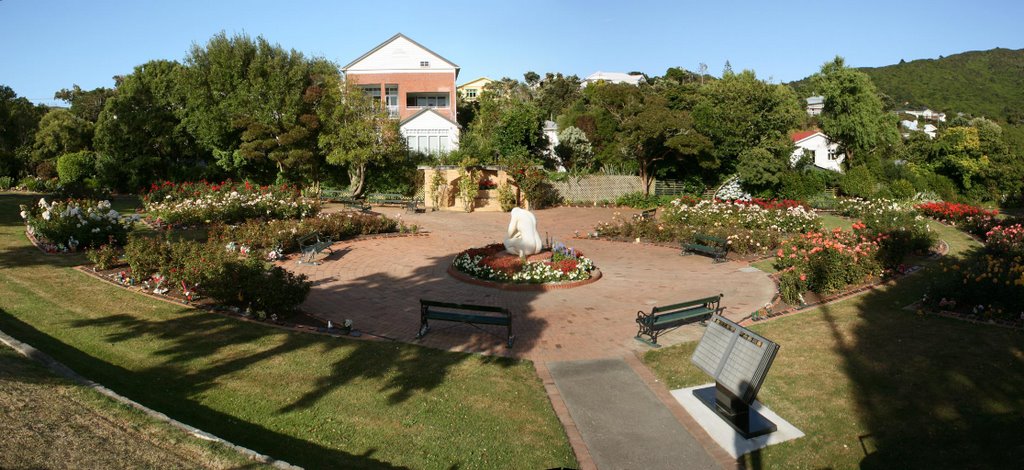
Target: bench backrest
x=425, y=306
x=710, y=238
x=710, y=302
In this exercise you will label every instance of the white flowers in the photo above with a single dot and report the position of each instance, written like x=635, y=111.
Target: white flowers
x=46, y=215
x=24, y=215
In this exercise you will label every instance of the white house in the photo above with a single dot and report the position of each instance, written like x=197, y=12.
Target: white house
x=928, y=129
x=612, y=77
x=417, y=86
x=926, y=114
x=826, y=153
x=430, y=132
x=815, y=104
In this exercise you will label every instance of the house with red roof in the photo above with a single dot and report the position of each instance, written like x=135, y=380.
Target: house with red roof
x=816, y=145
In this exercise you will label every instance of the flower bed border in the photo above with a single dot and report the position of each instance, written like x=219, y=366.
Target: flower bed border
x=852, y=292
x=595, y=274
x=38, y=244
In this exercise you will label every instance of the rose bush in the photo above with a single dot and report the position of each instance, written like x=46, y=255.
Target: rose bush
x=262, y=236
x=825, y=263
x=200, y=202
x=74, y=224
x=970, y=218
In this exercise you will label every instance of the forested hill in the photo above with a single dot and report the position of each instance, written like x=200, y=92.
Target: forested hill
x=982, y=83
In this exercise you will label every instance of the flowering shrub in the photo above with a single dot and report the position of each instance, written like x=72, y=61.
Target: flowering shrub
x=898, y=228
x=825, y=263
x=212, y=271
x=104, y=257
x=487, y=184
x=284, y=234
x=772, y=203
x=972, y=219
x=72, y=224
x=748, y=227
x=1005, y=240
x=493, y=264
x=201, y=202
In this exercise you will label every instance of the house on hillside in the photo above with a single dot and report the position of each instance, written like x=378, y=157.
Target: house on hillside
x=814, y=143
x=926, y=114
x=612, y=77
x=815, y=104
x=472, y=89
x=417, y=86
x=928, y=129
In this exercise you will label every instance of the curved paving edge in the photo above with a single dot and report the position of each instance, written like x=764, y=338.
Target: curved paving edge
x=60, y=369
x=594, y=276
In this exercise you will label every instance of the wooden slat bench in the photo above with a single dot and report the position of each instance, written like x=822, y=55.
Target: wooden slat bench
x=472, y=315
x=717, y=247
x=344, y=198
x=670, y=317
x=311, y=245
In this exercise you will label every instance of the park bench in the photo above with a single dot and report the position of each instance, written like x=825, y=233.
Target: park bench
x=344, y=198
x=646, y=215
x=717, y=247
x=311, y=245
x=670, y=317
x=388, y=199
x=473, y=315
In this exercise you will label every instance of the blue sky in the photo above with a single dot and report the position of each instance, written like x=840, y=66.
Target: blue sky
x=49, y=45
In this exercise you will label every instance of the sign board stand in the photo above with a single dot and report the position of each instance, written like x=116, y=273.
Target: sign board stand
x=738, y=359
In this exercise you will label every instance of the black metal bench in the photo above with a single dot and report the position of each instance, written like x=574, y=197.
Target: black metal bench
x=646, y=215
x=344, y=198
x=473, y=315
x=311, y=245
x=670, y=317
x=717, y=247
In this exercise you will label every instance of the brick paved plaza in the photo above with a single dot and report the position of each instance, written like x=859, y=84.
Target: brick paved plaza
x=378, y=283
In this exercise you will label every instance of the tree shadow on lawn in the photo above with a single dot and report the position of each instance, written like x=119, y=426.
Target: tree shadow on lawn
x=171, y=387
x=932, y=392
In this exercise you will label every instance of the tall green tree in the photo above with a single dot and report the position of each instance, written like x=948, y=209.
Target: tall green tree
x=19, y=119
x=60, y=132
x=853, y=115
x=357, y=133
x=651, y=133
x=739, y=112
x=253, y=105
x=140, y=135
x=557, y=92
x=86, y=104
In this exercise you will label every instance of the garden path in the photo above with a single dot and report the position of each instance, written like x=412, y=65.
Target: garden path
x=378, y=283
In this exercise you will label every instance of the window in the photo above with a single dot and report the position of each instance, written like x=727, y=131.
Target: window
x=373, y=91
x=427, y=141
x=426, y=100
x=424, y=63
x=471, y=93
x=391, y=100
x=833, y=154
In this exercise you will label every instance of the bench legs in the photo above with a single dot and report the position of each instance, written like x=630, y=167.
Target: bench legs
x=425, y=328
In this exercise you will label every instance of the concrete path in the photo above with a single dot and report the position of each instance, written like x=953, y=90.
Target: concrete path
x=622, y=422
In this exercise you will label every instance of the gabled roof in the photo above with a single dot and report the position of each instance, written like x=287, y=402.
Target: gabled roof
x=615, y=77
x=477, y=80
x=798, y=136
x=392, y=39
x=421, y=112
x=815, y=100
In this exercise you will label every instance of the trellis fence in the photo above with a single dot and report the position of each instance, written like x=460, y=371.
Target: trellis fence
x=597, y=188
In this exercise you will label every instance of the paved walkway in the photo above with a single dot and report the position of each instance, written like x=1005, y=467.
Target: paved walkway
x=622, y=421
x=378, y=284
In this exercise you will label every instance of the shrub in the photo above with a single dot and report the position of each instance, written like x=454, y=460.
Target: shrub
x=802, y=184
x=638, y=200
x=76, y=167
x=467, y=188
x=201, y=202
x=263, y=236
x=858, y=182
x=6, y=182
x=902, y=189
x=31, y=183
x=104, y=257
x=72, y=224
x=972, y=219
x=899, y=229
x=825, y=263
x=507, y=197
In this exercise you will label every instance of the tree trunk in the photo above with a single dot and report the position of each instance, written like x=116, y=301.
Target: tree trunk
x=357, y=176
x=645, y=176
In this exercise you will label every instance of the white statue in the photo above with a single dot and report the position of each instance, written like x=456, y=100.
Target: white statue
x=523, y=238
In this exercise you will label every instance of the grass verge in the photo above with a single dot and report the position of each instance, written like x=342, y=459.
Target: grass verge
x=311, y=400
x=876, y=386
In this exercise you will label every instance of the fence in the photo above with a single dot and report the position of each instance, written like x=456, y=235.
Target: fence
x=595, y=188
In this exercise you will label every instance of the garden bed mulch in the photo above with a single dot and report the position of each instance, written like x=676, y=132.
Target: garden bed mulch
x=778, y=308
x=516, y=287
x=299, y=322
x=1017, y=325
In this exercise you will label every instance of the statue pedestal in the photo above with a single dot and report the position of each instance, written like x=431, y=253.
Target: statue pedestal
x=746, y=421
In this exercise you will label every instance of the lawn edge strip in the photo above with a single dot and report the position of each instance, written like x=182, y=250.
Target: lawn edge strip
x=62, y=370
x=572, y=433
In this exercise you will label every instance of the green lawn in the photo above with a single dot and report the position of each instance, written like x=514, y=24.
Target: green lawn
x=310, y=400
x=876, y=386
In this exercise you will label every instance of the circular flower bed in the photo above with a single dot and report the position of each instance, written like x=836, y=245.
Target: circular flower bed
x=493, y=263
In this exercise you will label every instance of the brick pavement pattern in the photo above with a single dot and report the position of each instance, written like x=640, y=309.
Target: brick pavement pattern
x=378, y=283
